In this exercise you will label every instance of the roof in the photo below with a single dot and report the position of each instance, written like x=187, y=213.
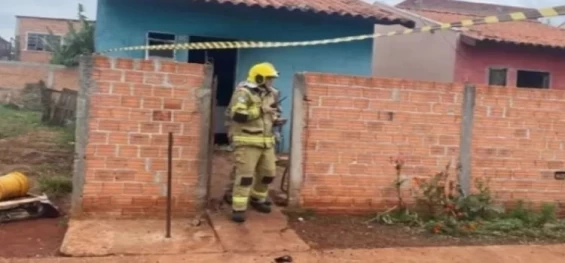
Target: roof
x=49, y=18
x=4, y=40
x=351, y=8
x=530, y=33
x=481, y=9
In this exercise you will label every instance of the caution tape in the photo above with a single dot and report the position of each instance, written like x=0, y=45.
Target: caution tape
x=516, y=16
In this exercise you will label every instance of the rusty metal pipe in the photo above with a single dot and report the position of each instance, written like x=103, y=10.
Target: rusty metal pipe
x=169, y=184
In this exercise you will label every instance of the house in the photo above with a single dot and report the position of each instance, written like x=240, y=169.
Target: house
x=33, y=32
x=523, y=53
x=140, y=22
x=5, y=49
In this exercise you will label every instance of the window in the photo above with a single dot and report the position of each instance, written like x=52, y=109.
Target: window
x=497, y=76
x=532, y=79
x=42, y=42
x=154, y=38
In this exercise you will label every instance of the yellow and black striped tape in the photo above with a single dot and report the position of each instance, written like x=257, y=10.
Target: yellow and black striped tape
x=517, y=16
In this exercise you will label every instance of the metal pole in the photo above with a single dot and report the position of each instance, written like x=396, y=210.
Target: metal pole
x=169, y=184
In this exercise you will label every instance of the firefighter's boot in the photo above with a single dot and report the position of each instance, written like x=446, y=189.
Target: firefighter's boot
x=262, y=207
x=238, y=216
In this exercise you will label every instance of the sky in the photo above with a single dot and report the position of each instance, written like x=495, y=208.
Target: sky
x=68, y=9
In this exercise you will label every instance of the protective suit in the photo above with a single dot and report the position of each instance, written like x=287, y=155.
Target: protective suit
x=252, y=112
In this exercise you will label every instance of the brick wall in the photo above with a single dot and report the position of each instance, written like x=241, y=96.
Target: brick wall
x=14, y=75
x=133, y=105
x=355, y=124
x=27, y=25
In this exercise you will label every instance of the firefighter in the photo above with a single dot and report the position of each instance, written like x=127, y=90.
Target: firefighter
x=252, y=112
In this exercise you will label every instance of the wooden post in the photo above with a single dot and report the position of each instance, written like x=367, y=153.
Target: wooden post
x=465, y=143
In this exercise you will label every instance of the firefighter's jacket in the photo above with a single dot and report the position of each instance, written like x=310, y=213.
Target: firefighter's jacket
x=250, y=116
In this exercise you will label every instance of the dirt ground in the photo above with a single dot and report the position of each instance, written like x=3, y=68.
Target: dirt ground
x=492, y=254
x=338, y=232
x=36, y=153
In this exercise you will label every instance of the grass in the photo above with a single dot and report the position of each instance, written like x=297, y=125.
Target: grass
x=52, y=177
x=19, y=122
x=55, y=185
x=15, y=122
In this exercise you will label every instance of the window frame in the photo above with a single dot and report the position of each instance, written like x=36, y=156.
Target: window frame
x=549, y=78
x=491, y=68
x=40, y=33
x=174, y=41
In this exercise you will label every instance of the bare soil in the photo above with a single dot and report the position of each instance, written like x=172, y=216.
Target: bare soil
x=37, y=153
x=340, y=232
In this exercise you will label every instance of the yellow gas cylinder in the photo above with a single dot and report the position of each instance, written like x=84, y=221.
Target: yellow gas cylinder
x=12, y=185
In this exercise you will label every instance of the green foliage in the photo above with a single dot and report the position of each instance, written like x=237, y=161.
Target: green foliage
x=75, y=43
x=442, y=208
x=55, y=185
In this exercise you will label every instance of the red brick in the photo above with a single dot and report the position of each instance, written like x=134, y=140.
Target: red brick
x=101, y=100
x=134, y=77
x=101, y=62
x=121, y=88
x=149, y=151
x=122, y=63
x=173, y=104
x=154, y=78
x=142, y=90
x=190, y=68
x=146, y=65
x=108, y=74
x=152, y=103
x=150, y=127
x=106, y=150
x=128, y=151
x=164, y=92
x=168, y=67
x=139, y=139
x=131, y=101
x=162, y=116
x=109, y=125
x=118, y=138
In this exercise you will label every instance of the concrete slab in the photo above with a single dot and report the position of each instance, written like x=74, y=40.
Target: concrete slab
x=98, y=237
x=259, y=233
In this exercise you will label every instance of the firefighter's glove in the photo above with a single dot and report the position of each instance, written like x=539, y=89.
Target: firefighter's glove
x=270, y=110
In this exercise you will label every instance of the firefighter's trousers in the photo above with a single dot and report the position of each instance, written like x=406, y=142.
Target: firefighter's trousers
x=255, y=170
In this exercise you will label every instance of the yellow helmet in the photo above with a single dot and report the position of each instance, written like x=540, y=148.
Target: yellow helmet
x=260, y=72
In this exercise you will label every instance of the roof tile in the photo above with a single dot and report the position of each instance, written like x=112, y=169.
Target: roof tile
x=531, y=33
x=354, y=8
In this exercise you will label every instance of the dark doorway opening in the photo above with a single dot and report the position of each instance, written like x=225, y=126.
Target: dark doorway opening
x=225, y=63
x=532, y=79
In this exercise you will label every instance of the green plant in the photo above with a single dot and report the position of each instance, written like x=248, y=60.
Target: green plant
x=75, y=43
x=55, y=185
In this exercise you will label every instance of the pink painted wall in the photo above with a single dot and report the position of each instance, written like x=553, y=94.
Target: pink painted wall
x=472, y=63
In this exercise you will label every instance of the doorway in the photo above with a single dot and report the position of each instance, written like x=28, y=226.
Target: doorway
x=224, y=62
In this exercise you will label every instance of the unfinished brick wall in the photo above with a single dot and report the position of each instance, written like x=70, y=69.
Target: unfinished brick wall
x=353, y=125
x=133, y=105
x=15, y=75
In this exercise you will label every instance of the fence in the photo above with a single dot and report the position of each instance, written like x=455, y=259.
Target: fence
x=59, y=106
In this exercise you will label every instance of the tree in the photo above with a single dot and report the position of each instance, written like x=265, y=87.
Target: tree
x=75, y=43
